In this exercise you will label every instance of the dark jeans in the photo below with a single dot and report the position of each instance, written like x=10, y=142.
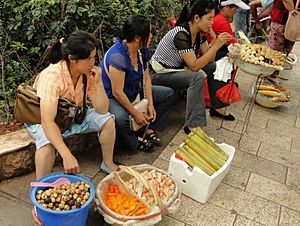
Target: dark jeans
x=163, y=98
x=194, y=82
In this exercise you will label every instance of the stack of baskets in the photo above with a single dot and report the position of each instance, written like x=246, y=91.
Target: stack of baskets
x=133, y=182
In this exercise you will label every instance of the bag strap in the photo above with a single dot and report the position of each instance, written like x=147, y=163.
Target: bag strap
x=143, y=83
x=297, y=5
x=84, y=81
x=234, y=74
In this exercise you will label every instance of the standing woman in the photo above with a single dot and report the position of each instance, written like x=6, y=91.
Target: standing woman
x=180, y=48
x=71, y=59
x=128, y=75
x=277, y=41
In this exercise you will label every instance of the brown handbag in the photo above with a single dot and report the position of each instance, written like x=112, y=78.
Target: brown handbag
x=292, y=27
x=27, y=107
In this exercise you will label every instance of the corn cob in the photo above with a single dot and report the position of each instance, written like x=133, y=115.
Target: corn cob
x=202, y=153
x=200, y=133
x=264, y=87
x=280, y=99
x=269, y=93
x=201, y=163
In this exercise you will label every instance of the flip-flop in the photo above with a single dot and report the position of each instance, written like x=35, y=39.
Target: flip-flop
x=105, y=169
x=153, y=138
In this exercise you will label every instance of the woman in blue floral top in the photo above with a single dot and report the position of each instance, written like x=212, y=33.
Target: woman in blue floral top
x=125, y=81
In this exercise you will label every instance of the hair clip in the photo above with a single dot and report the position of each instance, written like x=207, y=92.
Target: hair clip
x=61, y=40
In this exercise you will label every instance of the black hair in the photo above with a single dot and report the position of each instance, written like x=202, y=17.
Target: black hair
x=218, y=6
x=194, y=7
x=79, y=45
x=136, y=25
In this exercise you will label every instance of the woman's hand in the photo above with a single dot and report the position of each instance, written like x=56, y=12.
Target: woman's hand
x=222, y=39
x=151, y=113
x=70, y=164
x=141, y=118
x=212, y=34
x=96, y=73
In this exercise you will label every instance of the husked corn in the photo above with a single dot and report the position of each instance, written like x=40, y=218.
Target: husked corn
x=269, y=93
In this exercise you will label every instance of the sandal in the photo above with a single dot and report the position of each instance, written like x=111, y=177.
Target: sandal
x=152, y=136
x=145, y=145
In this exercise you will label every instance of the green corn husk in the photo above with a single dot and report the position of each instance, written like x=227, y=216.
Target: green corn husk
x=200, y=151
x=201, y=163
x=210, y=149
x=190, y=159
x=201, y=134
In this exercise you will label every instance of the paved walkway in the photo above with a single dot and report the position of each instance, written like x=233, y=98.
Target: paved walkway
x=262, y=186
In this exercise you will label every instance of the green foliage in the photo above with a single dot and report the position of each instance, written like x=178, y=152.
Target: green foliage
x=27, y=28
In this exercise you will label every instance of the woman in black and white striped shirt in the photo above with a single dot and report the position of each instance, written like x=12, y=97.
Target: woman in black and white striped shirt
x=180, y=48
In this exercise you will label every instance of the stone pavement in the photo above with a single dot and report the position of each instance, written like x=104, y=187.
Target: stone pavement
x=262, y=186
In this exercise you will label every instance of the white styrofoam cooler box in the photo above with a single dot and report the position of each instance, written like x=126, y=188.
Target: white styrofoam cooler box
x=196, y=183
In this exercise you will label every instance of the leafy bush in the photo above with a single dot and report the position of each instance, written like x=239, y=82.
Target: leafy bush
x=27, y=28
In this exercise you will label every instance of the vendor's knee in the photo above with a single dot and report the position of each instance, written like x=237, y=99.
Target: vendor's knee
x=109, y=125
x=198, y=77
x=47, y=149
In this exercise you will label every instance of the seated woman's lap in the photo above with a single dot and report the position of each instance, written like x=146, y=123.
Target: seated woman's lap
x=92, y=123
x=125, y=136
x=176, y=80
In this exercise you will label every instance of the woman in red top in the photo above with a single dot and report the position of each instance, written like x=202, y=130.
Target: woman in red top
x=224, y=15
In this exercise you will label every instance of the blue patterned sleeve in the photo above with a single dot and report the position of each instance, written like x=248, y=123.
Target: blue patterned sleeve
x=118, y=61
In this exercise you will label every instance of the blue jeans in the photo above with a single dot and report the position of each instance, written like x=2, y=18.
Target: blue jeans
x=241, y=20
x=163, y=98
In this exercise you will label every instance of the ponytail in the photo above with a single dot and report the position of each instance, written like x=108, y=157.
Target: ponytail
x=79, y=45
x=55, y=53
x=183, y=16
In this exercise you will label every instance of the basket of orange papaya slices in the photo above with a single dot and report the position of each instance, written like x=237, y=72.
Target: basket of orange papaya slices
x=137, y=195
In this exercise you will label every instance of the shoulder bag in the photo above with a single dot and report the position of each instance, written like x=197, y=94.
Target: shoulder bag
x=292, y=27
x=139, y=104
x=27, y=107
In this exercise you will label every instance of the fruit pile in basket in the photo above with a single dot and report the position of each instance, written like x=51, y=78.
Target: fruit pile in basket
x=122, y=204
x=199, y=150
x=274, y=93
x=163, y=186
x=263, y=56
